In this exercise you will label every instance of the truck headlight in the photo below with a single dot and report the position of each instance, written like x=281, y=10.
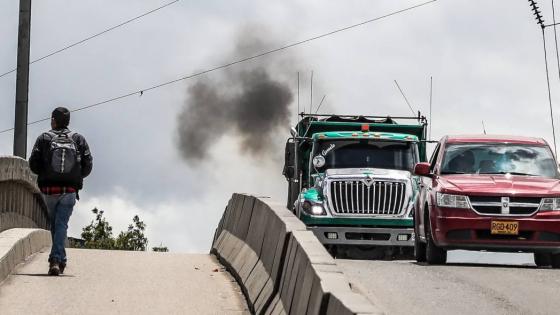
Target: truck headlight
x=550, y=204
x=452, y=201
x=313, y=208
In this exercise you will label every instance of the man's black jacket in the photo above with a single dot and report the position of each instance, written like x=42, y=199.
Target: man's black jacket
x=38, y=161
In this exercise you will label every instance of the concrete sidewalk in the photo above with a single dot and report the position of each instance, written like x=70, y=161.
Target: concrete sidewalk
x=120, y=282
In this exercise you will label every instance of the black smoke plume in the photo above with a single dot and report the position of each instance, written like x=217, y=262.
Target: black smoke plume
x=248, y=101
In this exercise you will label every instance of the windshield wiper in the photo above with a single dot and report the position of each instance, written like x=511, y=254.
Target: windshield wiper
x=512, y=173
x=452, y=172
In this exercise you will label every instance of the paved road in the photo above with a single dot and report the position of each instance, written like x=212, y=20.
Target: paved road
x=111, y=282
x=474, y=283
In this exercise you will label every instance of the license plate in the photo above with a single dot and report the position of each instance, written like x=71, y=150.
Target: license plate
x=505, y=227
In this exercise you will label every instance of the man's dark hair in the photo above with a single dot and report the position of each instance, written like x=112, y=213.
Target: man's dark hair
x=61, y=116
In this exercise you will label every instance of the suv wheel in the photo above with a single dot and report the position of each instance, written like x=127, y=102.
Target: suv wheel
x=542, y=259
x=434, y=254
x=419, y=249
x=555, y=261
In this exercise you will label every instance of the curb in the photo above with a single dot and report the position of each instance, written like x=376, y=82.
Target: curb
x=18, y=244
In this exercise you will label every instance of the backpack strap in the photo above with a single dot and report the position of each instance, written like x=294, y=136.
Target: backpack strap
x=65, y=132
x=70, y=136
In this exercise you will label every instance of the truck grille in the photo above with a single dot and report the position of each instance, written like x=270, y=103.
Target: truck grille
x=357, y=197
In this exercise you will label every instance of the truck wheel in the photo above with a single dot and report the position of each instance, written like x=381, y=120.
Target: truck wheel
x=555, y=261
x=406, y=253
x=419, y=249
x=333, y=250
x=434, y=254
x=542, y=259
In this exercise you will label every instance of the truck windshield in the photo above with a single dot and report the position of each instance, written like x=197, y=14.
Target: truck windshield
x=502, y=158
x=360, y=153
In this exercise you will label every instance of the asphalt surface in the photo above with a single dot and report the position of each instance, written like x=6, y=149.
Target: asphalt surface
x=121, y=282
x=472, y=283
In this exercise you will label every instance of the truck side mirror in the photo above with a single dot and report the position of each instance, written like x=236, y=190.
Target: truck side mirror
x=289, y=157
x=289, y=172
x=293, y=132
x=422, y=169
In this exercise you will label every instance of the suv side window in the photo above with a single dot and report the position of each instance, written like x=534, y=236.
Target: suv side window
x=434, y=157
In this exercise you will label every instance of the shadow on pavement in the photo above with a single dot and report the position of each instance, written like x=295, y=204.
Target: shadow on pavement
x=479, y=265
x=42, y=275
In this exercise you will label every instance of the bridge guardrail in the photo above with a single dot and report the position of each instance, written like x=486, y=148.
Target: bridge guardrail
x=281, y=267
x=21, y=203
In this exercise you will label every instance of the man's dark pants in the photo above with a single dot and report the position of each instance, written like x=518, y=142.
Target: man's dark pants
x=60, y=209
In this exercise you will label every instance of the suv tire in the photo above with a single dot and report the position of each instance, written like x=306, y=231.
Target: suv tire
x=543, y=259
x=555, y=261
x=419, y=248
x=434, y=254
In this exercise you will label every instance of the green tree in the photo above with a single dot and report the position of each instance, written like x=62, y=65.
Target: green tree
x=99, y=233
x=133, y=238
x=160, y=248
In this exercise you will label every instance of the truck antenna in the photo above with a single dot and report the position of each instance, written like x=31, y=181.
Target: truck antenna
x=311, y=100
x=483, y=127
x=321, y=103
x=430, y=122
x=405, y=99
x=297, y=114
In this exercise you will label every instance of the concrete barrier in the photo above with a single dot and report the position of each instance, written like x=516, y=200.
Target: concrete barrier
x=18, y=244
x=281, y=267
x=21, y=203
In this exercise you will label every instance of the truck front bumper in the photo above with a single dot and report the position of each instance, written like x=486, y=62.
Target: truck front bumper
x=334, y=235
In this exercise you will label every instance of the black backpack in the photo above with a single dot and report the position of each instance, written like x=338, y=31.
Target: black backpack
x=64, y=159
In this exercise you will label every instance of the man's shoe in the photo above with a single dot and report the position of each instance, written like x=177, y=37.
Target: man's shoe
x=54, y=270
x=61, y=267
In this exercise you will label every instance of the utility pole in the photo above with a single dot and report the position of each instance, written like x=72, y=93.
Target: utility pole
x=22, y=79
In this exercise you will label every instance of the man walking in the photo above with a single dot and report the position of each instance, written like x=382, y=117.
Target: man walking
x=61, y=159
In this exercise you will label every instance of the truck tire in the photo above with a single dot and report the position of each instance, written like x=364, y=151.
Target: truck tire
x=543, y=259
x=333, y=250
x=555, y=261
x=434, y=254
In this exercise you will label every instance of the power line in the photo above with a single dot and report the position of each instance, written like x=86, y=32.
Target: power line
x=555, y=37
x=93, y=36
x=237, y=61
x=549, y=95
x=540, y=22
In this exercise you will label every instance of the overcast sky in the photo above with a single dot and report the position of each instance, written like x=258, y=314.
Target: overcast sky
x=486, y=58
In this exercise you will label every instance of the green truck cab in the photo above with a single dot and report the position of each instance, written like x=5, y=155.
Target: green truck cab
x=350, y=178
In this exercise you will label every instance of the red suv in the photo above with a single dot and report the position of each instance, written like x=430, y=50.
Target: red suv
x=496, y=193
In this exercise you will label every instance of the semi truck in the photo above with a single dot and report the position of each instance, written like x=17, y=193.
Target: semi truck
x=351, y=180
